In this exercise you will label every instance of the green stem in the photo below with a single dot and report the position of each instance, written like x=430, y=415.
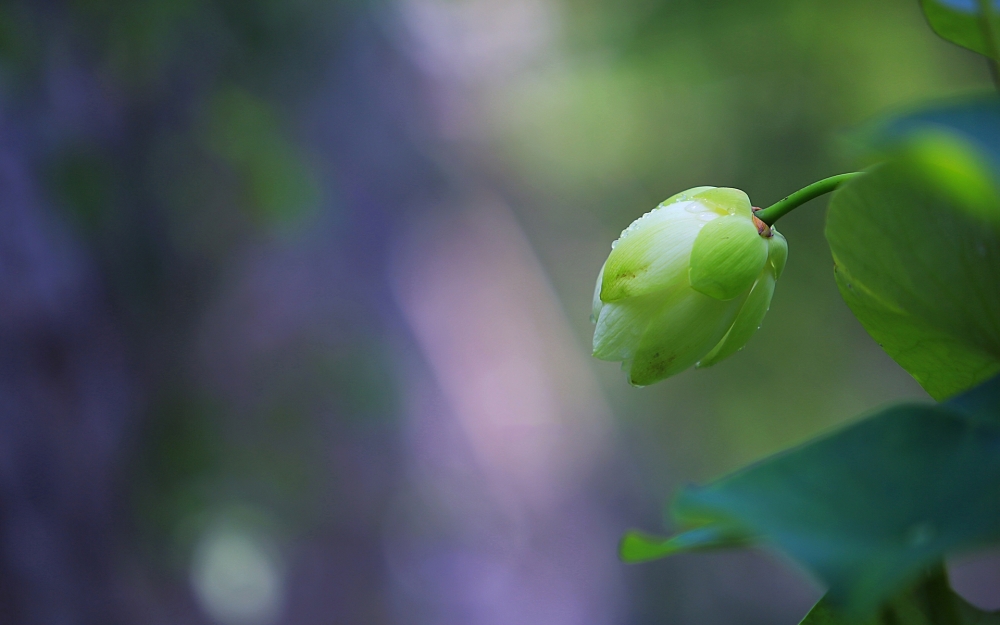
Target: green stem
x=778, y=210
x=941, y=603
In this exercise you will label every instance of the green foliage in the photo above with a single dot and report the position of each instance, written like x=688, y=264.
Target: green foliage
x=928, y=602
x=872, y=509
x=641, y=547
x=139, y=35
x=244, y=131
x=83, y=183
x=865, y=509
x=916, y=247
x=972, y=24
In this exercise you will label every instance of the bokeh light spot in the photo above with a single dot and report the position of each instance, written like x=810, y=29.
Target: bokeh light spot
x=237, y=578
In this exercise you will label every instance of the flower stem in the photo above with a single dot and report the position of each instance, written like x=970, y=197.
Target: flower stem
x=939, y=597
x=778, y=210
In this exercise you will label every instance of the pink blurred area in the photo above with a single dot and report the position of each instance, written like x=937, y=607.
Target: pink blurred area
x=504, y=435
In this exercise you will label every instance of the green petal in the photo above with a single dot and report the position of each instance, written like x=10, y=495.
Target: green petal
x=727, y=257
x=680, y=333
x=620, y=326
x=777, y=252
x=732, y=201
x=747, y=321
x=685, y=195
x=595, y=311
x=653, y=253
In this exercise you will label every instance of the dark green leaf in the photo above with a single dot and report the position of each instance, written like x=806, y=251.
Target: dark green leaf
x=973, y=121
x=865, y=509
x=982, y=402
x=929, y=602
x=916, y=247
x=972, y=24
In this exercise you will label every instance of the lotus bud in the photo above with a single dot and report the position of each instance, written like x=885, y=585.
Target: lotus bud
x=688, y=283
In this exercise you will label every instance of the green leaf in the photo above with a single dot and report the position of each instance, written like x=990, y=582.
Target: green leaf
x=972, y=24
x=982, y=402
x=929, y=602
x=866, y=509
x=639, y=546
x=916, y=251
x=969, y=122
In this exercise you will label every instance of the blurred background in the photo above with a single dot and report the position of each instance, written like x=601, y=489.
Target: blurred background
x=294, y=299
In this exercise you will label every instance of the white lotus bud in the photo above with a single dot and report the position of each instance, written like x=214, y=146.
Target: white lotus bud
x=687, y=283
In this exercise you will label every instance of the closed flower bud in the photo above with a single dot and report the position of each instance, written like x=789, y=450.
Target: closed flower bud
x=688, y=283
